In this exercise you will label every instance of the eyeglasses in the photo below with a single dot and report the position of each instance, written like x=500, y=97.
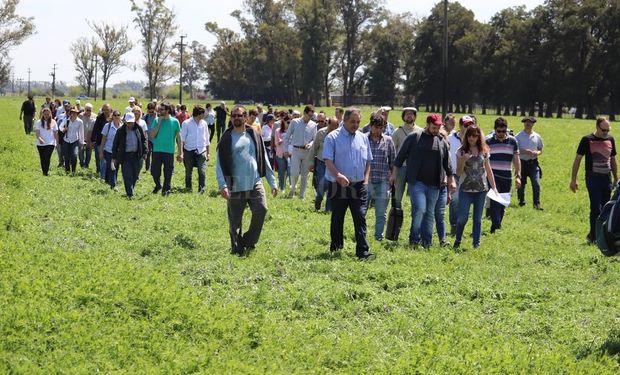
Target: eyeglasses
x=116, y=115
x=605, y=130
x=321, y=121
x=473, y=135
x=378, y=126
x=501, y=131
x=235, y=115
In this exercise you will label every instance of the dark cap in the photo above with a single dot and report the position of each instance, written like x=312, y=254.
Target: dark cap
x=531, y=119
x=434, y=119
x=269, y=117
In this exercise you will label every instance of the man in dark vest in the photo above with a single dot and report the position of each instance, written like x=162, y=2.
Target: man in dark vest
x=241, y=164
x=28, y=112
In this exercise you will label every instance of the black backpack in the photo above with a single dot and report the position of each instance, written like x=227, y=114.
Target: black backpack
x=608, y=227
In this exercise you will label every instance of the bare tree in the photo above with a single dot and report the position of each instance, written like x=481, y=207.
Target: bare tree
x=114, y=44
x=83, y=51
x=156, y=24
x=14, y=29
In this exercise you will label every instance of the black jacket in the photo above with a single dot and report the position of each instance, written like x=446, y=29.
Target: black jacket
x=100, y=122
x=224, y=154
x=416, y=152
x=118, y=147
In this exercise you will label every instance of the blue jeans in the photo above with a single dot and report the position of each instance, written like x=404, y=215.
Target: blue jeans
x=321, y=186
x=131, y=170
x=101, y=164
x=379, y=191
x=529, y=169
x=466, y=200
x=423, y=200
x=440, y=213
x=110, y=175
x=496, y=210
x=85, y=155
x=282, y=172
x=454, y=205
x=599, y=192
x=399, y=186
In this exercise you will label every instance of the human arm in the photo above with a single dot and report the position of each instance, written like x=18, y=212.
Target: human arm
x=367, y=173
x=516, y=161
x=180, y=146
x=221, y=181
x=614, y=169
x=573, y=179
x=489, y=172
x=155, y=129
x=340, y=178
x=271, y=179
x=461, y=158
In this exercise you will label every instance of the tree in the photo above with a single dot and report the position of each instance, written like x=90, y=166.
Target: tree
x=114, y=44
x=83, y=51
x=194, y=65
x=14, y=29
x=156, y=24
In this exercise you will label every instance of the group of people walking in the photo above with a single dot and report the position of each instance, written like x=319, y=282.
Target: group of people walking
x=354, y=167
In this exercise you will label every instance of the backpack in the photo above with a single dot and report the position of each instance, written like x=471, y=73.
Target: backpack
x=608, y=227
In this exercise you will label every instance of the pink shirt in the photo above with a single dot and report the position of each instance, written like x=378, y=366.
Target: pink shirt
x=280, y=143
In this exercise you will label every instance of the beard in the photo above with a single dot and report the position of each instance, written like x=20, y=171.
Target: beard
x=238, y=122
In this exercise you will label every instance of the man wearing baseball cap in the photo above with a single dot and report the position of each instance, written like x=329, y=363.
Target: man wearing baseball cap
x=530, y=148
x=428, y=164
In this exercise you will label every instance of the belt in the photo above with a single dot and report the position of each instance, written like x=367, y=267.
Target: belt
x=529, y=161
x=302, y=147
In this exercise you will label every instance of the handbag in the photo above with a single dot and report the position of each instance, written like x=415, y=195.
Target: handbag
x=395, y=220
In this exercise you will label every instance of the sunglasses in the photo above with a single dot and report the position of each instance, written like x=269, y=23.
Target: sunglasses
x=501, y=131
x=116, y=115
x=605, y=130
x=473, y=135
x=235, y=115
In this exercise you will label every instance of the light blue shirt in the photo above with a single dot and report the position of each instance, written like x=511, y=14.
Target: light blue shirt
x=350, y=153
x=244, y=166
x=109, y=131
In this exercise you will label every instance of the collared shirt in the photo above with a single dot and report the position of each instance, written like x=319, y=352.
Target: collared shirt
x=195, y=135
x=319, y=142
x=131, y=140
x=210, y=116
x=88, y=122
x=46, y=134
x=502, y=153
x=74, y=131
x=454, y=140
x=383, y=155
x=109, y=132
x=244, y=166
x=529, y=141
x=350, y=154
x=300, y=133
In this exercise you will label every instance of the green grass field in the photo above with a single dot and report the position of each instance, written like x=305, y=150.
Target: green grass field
x=91, y=282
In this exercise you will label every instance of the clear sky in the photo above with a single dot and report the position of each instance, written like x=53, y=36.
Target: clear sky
x=60, y=22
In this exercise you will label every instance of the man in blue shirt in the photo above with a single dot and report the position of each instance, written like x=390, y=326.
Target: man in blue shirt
x=241, y=164
x=347, y=156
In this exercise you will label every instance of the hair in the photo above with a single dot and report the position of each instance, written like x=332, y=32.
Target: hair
x=377, y=119
x=480, y=143
x=183, y=107
x=47, y=124
x=239, y=108
x=208, y=105
x=197, y=111
x=334, y=120
x=151, y=105
x=284, y=122
x=339, y=110
x=500, y=122
x=448, y=117
x=253, y=112
x=600, y=120
x=350, y=111
x=260, y=107
x=309, y=108
x=167, y=106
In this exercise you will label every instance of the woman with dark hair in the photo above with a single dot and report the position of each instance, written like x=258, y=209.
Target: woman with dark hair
x=475, y=174
x=210, y=119
x=108, y=133
x=47, y=137
x=281, y=160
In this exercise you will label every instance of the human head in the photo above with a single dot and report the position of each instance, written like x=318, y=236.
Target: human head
x=295, y=114
x=377, y=124
x=252, y=114
x=332, y=124
x=130, y=119
x=339, y=113
x=150, y=108
x=132, y=100
x=285, y=120
x=385, y=112
x=208, y=106
x=165, y=110
x=321, y=120
x=46, y=117
x=433, y=123
x=528, y=122
x=259, y=108
x=73, y=112
x=198, y=111
x=501, y=128
x=602, y=127
x=88, y=109
x=137, y=111
x=238, y=116
x=474, y=136
x=409, y=115
x=308, y=112
x=116, y=117
x=449, y=122
x=351, y=119
x=465, y=122
x=106, y=109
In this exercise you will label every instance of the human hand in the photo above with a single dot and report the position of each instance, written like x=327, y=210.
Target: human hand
x=225, y=193
x=342, y=180
x=573, y=186
x=274, y=192
x=179, y=158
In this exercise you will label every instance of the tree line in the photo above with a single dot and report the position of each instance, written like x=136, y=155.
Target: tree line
x=561, y=54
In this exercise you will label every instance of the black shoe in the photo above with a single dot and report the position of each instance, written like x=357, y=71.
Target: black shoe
x=335, y=248
x=165, y=193
x=537, y=207
x=156, y=189
x=521, y=204
x=456, y=245
x=443, y=243
x=366, y=255
x=590, y=239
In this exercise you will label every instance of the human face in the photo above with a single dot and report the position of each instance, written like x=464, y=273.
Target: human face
x=353, y=122
x=501, y=133
x=137, y=112
x=450, y=124
x=107, y=110
x=116, y=117
x=321, y=120
x=433, y=129
x=603, y=129
x=376, y=130
x=410, y=117
x=472, y=139
x=163, y=112
x=238, y=118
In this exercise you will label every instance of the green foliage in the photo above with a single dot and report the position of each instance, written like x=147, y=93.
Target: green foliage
x=92, y=282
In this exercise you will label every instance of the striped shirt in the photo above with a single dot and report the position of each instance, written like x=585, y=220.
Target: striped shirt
x=502, y=153
x=383, y=155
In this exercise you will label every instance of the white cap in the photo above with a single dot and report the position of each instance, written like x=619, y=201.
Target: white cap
x=129, y=117
x=77, y=101
x=385, y=108
x=88, y=106
x=132, y=99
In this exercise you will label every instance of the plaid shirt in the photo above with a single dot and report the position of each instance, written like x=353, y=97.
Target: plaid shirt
x=383, y=155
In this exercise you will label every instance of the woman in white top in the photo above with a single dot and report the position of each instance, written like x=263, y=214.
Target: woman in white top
x=210, y=119
x=47, y=137
x=107, y=141
x=73, y=140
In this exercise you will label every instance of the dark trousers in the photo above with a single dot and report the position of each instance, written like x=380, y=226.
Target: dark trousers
x=211, y=132
x=167, y=160
x=111, y=176
x=220, y=127
x=85, y=155
x=496, y=210
x=599, y=191
x=147, y=163
x=70, y=154
x=45, y=154
x=28, y=122
x=529, y=169
x=237, y=203
x=191, y=160
x=97, y=161
x=131, y=171
x=354, y=198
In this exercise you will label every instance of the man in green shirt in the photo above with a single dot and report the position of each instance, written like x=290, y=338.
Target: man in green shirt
x=165, y=131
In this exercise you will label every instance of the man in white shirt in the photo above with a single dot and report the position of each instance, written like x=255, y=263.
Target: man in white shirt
x=88, y=119
x=195, y=140
x=129, y=108
x=300, y=137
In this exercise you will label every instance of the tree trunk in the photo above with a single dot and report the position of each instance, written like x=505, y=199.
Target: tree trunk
x=541, y=108
x=484, y=107
x=549, y=110
x=612, y=106
x=514, y=110
x=470, y=108
x=105, y=83
x=507, y=110
x=579, y=111
x=522, y=114
x=532, y=109
x=498, y=110
x=559, y=115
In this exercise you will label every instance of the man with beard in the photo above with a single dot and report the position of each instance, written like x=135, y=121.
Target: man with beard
x=241, y=164
x=408, y=116
x=428, y=165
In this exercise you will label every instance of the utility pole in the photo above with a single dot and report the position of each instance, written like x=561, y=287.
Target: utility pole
x=181, y=69
x=29, y=81
x=19, y=88
x=445, y=59
x=53, y=74
x=96, y=62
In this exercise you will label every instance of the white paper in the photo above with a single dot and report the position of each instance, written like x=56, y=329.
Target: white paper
x=502, y=198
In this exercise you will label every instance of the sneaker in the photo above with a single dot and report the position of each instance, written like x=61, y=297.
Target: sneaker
x=366, y=255
x=443, y=243
x=165, y=193
x=201, y=190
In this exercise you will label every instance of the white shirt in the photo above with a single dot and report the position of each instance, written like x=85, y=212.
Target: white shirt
x=195, y=135
x=300, y=133
x=46, y=134
x=210, y=116
x=455, y=143
x=142, y=124
x=128, y=109
x=89, y=122
x=74, y=132
x=267, y=133
x=109, y=132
